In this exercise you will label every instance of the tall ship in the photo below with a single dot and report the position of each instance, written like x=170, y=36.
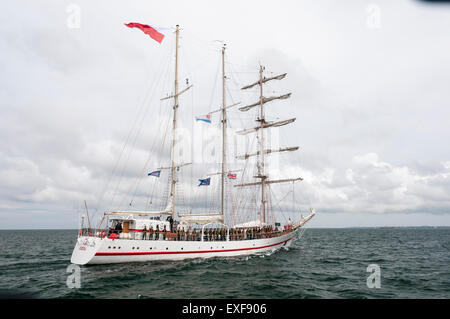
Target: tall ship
x=167, y=234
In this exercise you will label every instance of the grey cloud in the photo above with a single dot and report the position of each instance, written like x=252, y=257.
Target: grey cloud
x=371, y=105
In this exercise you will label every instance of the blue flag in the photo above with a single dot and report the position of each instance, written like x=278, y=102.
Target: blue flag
x=205, y=182
x=155, y=173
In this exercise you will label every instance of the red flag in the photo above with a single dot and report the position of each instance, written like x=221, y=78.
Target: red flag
x=147, y=30
x=231, y=176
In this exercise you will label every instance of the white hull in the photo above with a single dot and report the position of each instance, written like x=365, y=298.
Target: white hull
x=94, y=250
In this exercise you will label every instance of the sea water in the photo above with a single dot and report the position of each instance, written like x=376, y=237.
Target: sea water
x=323, y=263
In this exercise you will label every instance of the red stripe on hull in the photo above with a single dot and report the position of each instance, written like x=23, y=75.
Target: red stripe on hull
x=187, y=252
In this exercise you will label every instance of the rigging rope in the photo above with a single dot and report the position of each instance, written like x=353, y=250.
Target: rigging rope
x=124, y=146
x=149, y=95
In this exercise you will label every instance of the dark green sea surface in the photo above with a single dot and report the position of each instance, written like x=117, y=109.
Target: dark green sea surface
x=324, y=263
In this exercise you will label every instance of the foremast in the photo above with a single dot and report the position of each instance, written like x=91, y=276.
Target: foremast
x=263, y=124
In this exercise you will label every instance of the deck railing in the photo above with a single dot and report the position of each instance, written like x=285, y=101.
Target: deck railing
x=93, y=232
x=234, y=234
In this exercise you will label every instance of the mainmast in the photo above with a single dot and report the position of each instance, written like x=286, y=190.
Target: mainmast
x=223, y=172
x=224, y=135
x=263, y=124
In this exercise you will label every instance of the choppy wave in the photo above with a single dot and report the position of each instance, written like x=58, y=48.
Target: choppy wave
x=324, y=263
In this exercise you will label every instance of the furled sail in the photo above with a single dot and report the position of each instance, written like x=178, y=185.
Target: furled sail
x=265, y=100
x=266, y=125
x=177, y=94
x=139, y=213
x=271, y=182
x=253, y=223
x=201, y=218
x=293, y=148
x=277, y=77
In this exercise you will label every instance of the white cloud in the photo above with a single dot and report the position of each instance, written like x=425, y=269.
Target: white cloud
x=371, y=105
x=373, y=186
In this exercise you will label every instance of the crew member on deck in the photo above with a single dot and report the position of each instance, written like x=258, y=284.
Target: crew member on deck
x=118, y=228
x=157, y=232
x=150, y=235
x=144, y=233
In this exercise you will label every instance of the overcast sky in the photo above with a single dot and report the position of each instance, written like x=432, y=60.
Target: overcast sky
x=371, y=98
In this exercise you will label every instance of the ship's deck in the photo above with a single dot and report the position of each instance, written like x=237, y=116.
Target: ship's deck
x=234, y=234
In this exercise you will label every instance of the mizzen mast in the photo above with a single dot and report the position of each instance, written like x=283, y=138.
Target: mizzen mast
x=263, y=124
x=175, y=107
x=174, y=166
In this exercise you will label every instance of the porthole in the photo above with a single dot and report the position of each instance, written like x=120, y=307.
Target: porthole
x=109, y=247
x=167, y=248
x=114, y=247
